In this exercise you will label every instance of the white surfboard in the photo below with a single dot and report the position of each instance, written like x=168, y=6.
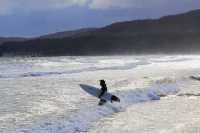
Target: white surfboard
x=96, y=92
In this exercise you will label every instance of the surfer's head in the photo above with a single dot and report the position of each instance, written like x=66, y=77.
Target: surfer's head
x=102, y=82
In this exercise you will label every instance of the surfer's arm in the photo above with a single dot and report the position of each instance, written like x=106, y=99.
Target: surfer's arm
x=101, y=94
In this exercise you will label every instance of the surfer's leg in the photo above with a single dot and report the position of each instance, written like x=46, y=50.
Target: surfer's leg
x=102, y=101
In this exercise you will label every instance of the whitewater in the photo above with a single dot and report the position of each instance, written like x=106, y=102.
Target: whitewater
x=159, y=94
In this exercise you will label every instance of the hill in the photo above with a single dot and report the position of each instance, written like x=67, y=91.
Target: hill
x=64, y=34
x=7, y=39
x=170, y=34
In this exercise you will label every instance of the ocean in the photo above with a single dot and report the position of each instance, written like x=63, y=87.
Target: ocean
x=42, y=94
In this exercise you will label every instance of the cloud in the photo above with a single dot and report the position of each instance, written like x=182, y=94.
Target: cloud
x=106, y=4
x=5, y=6
x=10, y=6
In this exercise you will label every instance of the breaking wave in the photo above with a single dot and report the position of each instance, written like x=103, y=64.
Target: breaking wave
x=88, y=69
x=83, y=120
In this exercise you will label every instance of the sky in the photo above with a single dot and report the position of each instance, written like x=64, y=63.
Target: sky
x=30, y=18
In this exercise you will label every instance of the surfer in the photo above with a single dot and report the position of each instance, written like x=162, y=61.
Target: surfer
x=103, y=88
x=103, y=91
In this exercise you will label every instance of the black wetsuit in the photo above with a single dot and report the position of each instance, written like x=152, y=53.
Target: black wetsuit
x=103, y=90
